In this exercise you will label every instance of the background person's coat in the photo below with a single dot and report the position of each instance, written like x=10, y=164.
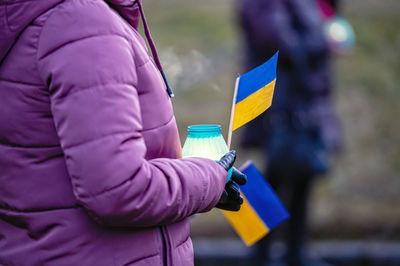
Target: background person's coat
x=303, y=93
x=89, y=173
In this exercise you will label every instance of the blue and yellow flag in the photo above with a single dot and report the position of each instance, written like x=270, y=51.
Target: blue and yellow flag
x=261, y=210
x=254, y=93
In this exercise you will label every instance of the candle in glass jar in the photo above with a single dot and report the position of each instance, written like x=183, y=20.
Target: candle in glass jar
x=205, y=141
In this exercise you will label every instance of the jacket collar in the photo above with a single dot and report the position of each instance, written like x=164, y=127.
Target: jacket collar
x=128, y=9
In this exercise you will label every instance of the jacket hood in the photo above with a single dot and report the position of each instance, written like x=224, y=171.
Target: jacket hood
x=16, y=15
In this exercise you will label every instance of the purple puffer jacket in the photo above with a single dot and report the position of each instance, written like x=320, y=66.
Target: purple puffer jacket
x=89, y=147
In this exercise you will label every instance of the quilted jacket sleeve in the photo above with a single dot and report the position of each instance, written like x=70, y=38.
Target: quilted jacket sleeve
x=88, y=64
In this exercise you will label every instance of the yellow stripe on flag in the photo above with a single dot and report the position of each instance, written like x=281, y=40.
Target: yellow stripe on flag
x=247, y=223
x=253, y=105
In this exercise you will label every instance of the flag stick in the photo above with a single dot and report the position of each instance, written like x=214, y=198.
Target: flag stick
x=232, y=113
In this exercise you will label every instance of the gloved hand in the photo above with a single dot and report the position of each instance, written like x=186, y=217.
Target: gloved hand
x=231, y=199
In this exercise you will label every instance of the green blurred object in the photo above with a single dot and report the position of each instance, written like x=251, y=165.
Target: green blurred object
x=340, y=35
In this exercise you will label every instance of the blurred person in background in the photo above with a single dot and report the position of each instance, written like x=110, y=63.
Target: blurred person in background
x=300, y=131
x=90, y=168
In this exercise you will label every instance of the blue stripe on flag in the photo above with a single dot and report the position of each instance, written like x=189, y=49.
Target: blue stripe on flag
x=257, y=78
x=262, y=198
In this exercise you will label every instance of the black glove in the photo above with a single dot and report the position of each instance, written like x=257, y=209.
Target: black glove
x=231, y=199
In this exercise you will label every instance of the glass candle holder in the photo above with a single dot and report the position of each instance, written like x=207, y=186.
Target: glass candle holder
x=205, y=141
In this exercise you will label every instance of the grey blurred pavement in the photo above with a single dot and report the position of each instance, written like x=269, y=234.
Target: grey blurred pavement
x=231, y=252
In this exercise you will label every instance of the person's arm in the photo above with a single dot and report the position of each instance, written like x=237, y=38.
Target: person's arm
x=87, y=63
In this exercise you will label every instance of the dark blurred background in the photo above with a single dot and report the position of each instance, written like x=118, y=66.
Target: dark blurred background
x=355, y=210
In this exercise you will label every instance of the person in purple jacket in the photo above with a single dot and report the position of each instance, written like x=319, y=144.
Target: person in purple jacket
x=90, y=167
x=300, y=131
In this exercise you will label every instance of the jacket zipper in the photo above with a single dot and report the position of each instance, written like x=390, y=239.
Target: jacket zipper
x=162, y=242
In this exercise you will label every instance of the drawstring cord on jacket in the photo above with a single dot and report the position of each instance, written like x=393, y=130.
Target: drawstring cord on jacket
x=153, y=48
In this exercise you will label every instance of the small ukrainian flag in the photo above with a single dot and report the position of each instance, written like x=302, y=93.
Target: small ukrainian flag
x=261, y=210
x=254, y=92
